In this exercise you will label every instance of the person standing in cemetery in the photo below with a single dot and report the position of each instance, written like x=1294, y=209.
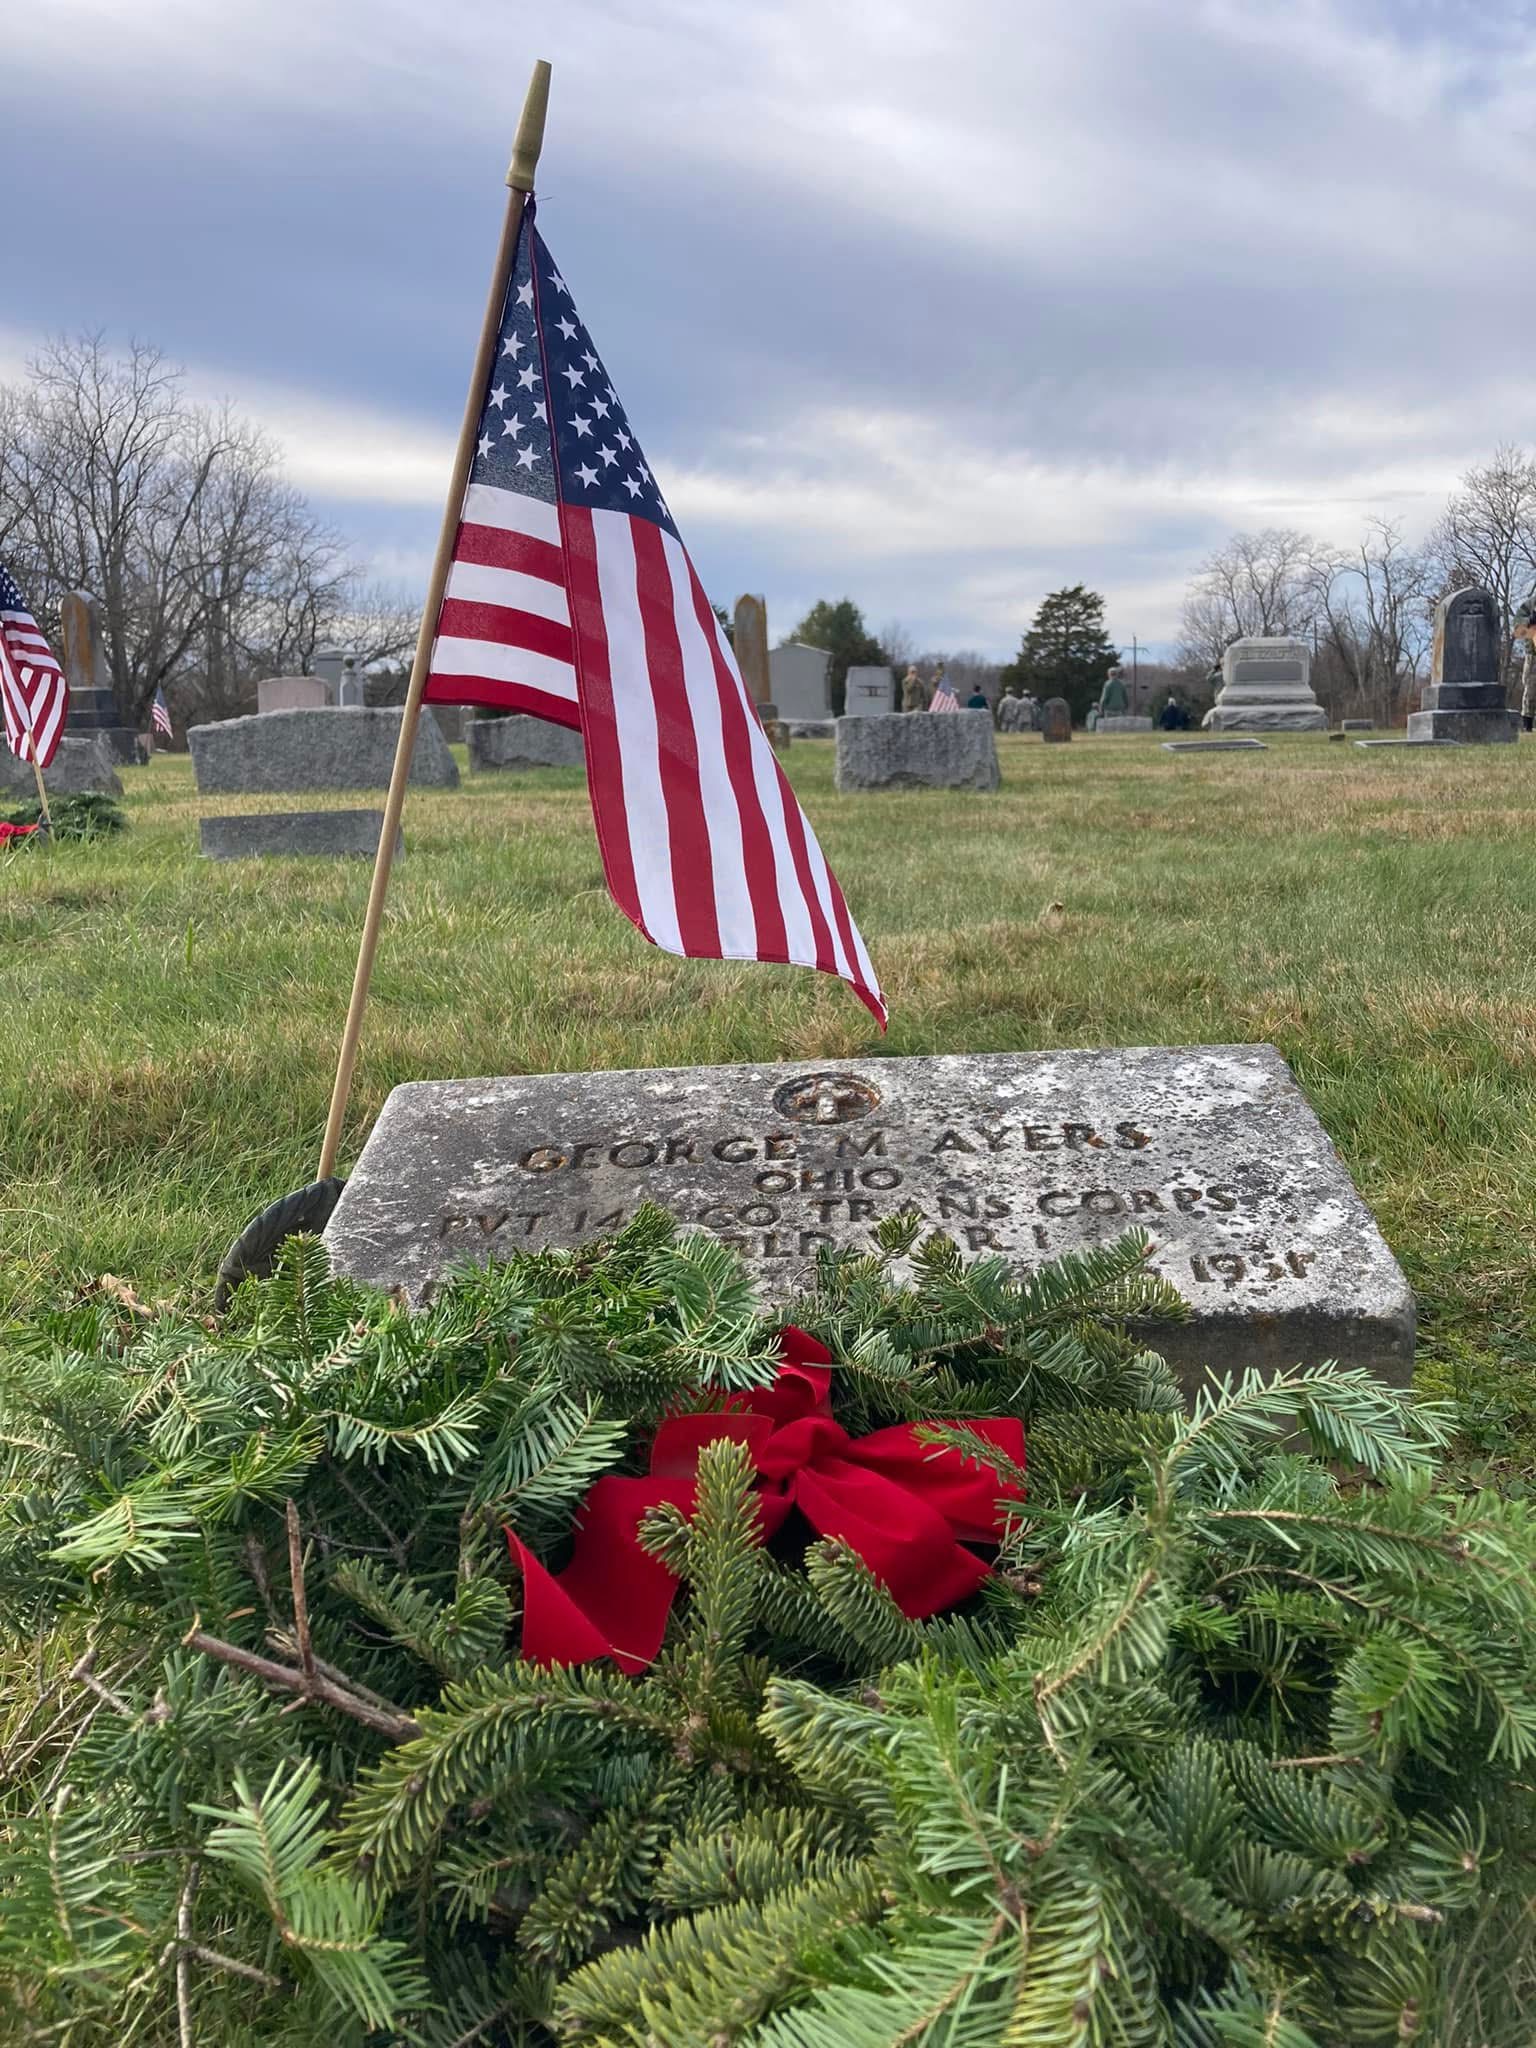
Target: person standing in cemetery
x=1525, y=631
x=977, y=700
x=914, y=691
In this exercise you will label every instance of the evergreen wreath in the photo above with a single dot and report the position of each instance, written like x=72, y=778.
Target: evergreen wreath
x=1234, y=1746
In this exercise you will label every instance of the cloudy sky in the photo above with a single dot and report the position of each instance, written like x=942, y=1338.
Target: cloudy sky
x=936, y=306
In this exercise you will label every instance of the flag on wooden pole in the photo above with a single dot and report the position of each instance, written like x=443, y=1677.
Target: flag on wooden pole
x=571, y=597
x=33, y=692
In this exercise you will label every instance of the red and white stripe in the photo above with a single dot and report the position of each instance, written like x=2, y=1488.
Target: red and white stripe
x=944, y=699
x=504, y=633
x=704, y=845
x=33, y=691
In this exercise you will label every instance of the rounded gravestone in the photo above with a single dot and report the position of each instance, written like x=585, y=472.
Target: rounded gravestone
x=1056, y=719
x=520, y=742
x=323, y=747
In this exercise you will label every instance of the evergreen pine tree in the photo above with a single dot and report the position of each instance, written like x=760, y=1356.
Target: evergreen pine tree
x=1236, y=1746
x=1066, y=652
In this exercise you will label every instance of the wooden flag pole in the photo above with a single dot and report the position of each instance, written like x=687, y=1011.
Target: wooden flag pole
x=42, y=794
x=525, y=157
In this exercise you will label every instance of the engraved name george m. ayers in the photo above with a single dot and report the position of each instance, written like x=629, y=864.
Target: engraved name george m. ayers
x=826, y=1164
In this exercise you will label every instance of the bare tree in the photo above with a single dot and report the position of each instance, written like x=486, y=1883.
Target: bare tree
x=1255, y=585
x=175, y=517
x=1487, y=536
x=1375, y=606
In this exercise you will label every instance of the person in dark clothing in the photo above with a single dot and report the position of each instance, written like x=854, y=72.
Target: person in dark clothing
x=977, y=701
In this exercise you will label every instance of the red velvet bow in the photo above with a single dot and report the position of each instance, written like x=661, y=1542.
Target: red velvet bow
x=905, y=1506
x=15, y=832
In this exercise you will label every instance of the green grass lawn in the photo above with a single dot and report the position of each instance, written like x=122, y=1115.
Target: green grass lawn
x=169, y=1025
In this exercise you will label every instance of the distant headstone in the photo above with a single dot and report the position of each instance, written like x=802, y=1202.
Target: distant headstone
x=1212, y=1150
x=750, y=641
x=1056, y=719
x=1464, y=700
x=83, y=763
x=325, y=748
x=1357, y=725
x=520, y=742
x=93, y=706
x=290, y=693
x=922, y=750
x=870, y=692
x=1214, y=747
x=261, y=835
x=1266, y=687
x=1123, y=721
x=328, y=664
x=811, y=728
x=351, y=691
x=797, y=677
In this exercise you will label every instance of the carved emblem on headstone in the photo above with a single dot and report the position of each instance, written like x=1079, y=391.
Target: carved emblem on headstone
x=826, y=1099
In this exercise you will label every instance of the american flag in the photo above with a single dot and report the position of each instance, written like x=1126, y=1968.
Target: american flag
x=572, y=598
x=944, y=698
x=33, y=691
x=160, y=713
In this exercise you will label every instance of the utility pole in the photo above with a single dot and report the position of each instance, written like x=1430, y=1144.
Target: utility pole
x=1135, y=675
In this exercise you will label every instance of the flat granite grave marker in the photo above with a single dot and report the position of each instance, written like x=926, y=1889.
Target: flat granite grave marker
x=1214, y=747
x=261, y=835
x=1213, y=1150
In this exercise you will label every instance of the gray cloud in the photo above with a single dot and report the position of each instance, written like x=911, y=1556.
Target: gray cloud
x=938, y=307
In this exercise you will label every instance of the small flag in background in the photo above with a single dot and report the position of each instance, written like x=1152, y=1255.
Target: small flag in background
x=33, y=692
x=571, y=597
x=160, y=713
x=944, y=698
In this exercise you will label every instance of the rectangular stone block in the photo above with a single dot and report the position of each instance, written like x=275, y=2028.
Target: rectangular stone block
x=322, y=747
x=869, y=691
x=918, y=750
x=261, y=835
x=1212, y=1150
x=291, y=693
x=83, y=763
x=496, y=743
x=1214, y=747
x=1465, y=728
x=1124, y=721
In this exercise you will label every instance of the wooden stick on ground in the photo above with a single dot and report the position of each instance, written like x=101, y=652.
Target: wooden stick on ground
x=42, y=794
x=525, y=157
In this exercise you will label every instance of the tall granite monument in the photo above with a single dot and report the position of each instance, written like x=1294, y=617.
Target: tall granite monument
x=749, y=640
x=1266, y=686
x=93, y=706
x=1464, y=699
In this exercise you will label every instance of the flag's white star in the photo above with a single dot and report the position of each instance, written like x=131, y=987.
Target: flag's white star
x=526, y=457
x=567, y=328
x=511, y=425
x=485, y=444
x=528, y=378
x=559, y=283
x=525, y=293
x=632, y=486
x=609, y=458
x=624, y=441
x=591, y=361
x=600, y=407
x=541, y=412
x=512, y=346
x=582, y=426
x=573, y=376
x=644, y=473
x=499, y=396
x=588, y=476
